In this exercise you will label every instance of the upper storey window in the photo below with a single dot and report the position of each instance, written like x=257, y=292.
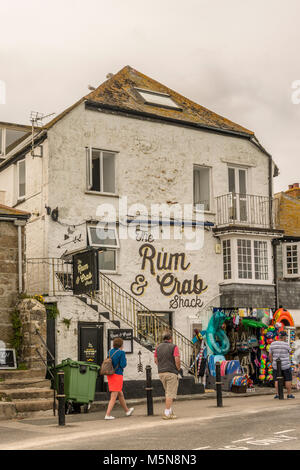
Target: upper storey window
x=101, y=171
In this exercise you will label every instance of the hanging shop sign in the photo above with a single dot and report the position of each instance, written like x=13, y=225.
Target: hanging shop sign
x=8, y=359
x=162, y=266
x=125, y=334
x=85, y=272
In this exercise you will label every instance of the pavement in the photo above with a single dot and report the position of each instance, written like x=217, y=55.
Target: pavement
x=243, y=423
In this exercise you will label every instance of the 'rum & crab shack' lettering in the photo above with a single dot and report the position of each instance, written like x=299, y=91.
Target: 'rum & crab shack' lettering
x=162, y=261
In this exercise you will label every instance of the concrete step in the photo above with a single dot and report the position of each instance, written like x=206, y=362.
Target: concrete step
x=24, y=383
x=41, y=404
x=19, y=409
x=22, y=374
x=26, y=393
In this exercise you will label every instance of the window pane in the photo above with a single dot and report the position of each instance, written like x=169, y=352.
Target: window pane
x=157, y=98
x=108, y=172
x=12, y=136
x=244, y=259
x=202, y=187
x=21, y=178
x=261, y=260
x=242, y=181
x=231, y=179
x=292, y=259
x=95, y=170
x=107, y=260
x=102, y=236
x=227, y=259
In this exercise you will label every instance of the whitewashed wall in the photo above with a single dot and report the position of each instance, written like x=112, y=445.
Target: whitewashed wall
x=154, y=165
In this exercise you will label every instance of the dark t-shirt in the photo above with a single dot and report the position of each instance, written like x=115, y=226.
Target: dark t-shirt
x=165, y=353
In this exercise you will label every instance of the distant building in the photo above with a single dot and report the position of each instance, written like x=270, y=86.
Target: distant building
x=288, y=252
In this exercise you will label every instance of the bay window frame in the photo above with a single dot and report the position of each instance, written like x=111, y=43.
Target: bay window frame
x=285, y=268
x=235, y=279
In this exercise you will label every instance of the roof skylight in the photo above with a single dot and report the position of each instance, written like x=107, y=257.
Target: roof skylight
x=157, y=99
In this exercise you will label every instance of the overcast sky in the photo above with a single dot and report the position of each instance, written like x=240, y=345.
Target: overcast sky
x=238, y=58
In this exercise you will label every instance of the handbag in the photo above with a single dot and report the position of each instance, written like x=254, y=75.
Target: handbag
x=107, y=366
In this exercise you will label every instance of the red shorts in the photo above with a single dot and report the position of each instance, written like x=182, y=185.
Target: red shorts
x=115, y=383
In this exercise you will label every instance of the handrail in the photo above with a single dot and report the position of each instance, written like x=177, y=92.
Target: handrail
x=246, y=209
x=53, y=276
x=149, y=326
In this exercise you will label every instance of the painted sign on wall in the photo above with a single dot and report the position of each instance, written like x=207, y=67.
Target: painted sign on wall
x=162, y=266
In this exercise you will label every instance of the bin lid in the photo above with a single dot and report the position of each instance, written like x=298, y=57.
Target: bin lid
x=71, y=363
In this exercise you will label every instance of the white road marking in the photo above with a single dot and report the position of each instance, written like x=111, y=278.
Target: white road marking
x=201, y=448
x=282, y=432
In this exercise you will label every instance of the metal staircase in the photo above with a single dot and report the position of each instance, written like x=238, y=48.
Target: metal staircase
x=146, y=325
x=54, y=277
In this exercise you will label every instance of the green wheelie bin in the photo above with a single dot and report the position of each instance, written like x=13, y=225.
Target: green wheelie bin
x=80, y=383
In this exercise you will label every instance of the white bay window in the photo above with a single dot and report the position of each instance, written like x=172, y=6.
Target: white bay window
x=247, y=260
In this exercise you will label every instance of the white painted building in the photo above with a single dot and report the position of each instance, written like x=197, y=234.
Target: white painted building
x=137, y=139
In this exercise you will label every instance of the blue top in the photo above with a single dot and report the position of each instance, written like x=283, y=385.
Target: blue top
x=118, y=360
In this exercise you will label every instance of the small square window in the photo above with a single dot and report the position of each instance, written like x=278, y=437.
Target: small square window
x=107, y=260
x=103, y=236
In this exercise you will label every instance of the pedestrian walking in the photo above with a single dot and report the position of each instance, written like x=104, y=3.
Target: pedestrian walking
x=167, y=358
x=280, y=349
x=115, y=381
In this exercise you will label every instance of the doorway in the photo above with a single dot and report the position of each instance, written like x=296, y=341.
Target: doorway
x=237, y=186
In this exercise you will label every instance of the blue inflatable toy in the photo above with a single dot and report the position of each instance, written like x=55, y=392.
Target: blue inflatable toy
x=216, y=337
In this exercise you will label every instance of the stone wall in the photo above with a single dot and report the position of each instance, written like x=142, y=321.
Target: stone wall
x=33, y=317
x=9, y=280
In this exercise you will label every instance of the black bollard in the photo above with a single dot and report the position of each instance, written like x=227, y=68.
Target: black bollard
x=61, y=397
x=280, y=380
x=149, y=391
x=219, y=385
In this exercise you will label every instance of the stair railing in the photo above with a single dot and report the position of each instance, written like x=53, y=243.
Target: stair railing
x=146, y=325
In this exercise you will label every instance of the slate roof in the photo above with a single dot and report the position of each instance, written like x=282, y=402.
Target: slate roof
x=119, y=93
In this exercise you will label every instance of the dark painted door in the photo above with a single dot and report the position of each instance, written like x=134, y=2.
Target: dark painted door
x=91, y=347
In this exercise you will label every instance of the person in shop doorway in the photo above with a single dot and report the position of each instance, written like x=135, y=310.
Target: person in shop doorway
x=115, y=381
x=280, y=349
x=167, y=359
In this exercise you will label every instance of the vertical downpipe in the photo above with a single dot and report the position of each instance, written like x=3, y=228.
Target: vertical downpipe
x=20, y=258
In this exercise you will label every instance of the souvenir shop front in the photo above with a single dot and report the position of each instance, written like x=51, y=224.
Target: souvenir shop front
x=240, y=340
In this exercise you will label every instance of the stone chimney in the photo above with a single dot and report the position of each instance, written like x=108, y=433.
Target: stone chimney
x=294, y=190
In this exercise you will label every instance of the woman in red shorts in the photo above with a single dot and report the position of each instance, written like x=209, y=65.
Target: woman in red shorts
x=115, y=381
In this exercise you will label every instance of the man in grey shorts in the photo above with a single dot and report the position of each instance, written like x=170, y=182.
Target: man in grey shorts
x=167, y=358
x=280, y=349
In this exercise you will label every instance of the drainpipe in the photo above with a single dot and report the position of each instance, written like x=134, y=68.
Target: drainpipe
x=275, y=243
x=20, y=224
